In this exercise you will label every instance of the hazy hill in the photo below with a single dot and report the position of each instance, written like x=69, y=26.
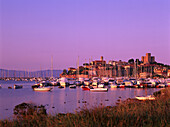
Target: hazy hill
x=16, y=73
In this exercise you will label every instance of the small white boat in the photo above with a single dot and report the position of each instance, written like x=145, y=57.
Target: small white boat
x=145, y=98
x=43, y=89
x=99, y=90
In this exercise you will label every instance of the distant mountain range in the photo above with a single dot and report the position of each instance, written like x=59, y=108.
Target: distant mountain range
x=16, y=73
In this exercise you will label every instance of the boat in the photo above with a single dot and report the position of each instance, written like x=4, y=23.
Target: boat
x=113, y=86
x=120, y=86
x=133, y=80
x=135, y=86
x=105, y=80
x=72, y=86
x=85, y=88
x=42, y=83
x=63, y=82
x=160, y=86
x=78, y=83
x=55, y=83
x=111, y=81
x=128, y=83
x=99, y=90
x=43, y=89
x=101, y=85
x=18, y=86
x=9, y=87
x=81, y=81
x=167, y=83
x=95, y=83
x=149, y=97
x=35, y=86
x=61, y=87
x=150, y=85
x=87, y=82
x=71, y=81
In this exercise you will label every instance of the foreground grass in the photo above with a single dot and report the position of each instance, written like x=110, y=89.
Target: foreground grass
x=129, y=113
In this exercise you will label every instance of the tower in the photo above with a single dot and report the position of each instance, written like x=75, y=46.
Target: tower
x=101, y=58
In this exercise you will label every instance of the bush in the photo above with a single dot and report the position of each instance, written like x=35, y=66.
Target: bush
x=26, y=109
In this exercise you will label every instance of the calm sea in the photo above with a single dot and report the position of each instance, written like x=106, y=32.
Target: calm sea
x=61, y=100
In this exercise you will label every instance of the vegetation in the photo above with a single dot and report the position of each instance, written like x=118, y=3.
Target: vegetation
x=64, y=72
x=24, y=110
x=128, y=113
x=131, y=61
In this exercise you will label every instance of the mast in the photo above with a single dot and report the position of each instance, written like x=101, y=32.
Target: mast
x=137, y=69
x=51, y=66
x=28, y=73
x=77, y=67
x=115, y=71
x=105, y=70
x=85, y=68
x=40, y=71
x=1, y=73
x=14, y=74
x=8, y=73
x=4, y=74
x=91, y=67
x=25, y=74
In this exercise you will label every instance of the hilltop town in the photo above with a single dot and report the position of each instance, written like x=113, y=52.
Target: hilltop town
x=145, y=68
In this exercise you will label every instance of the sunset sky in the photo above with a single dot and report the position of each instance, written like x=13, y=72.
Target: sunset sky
x=31, y=31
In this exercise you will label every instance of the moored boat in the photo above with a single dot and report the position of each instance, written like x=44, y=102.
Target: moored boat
x=42, y=83
x=43, y=89
x=18, y=86
x=160, y=86
x=63, y=82
x=120, y=86
x=87, y=82
x=77, y=83
x=54, y=83
x=99, y=90
x=72, y=86
x=167, y=83
x=149, y=97
x=128, y=83
x=61, y=87
x=35, y=86
x=85, y=88
x=9, y=87
x=113, y=86
x=101, y=85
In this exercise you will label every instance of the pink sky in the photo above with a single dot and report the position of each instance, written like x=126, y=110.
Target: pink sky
x=33, y=31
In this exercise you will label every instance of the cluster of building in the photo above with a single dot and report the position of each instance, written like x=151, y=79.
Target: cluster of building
x=145, y=68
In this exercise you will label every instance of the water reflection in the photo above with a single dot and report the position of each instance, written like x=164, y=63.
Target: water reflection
x=63, y=100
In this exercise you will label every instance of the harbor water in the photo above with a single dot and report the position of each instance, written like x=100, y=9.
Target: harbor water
x=62, y=100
